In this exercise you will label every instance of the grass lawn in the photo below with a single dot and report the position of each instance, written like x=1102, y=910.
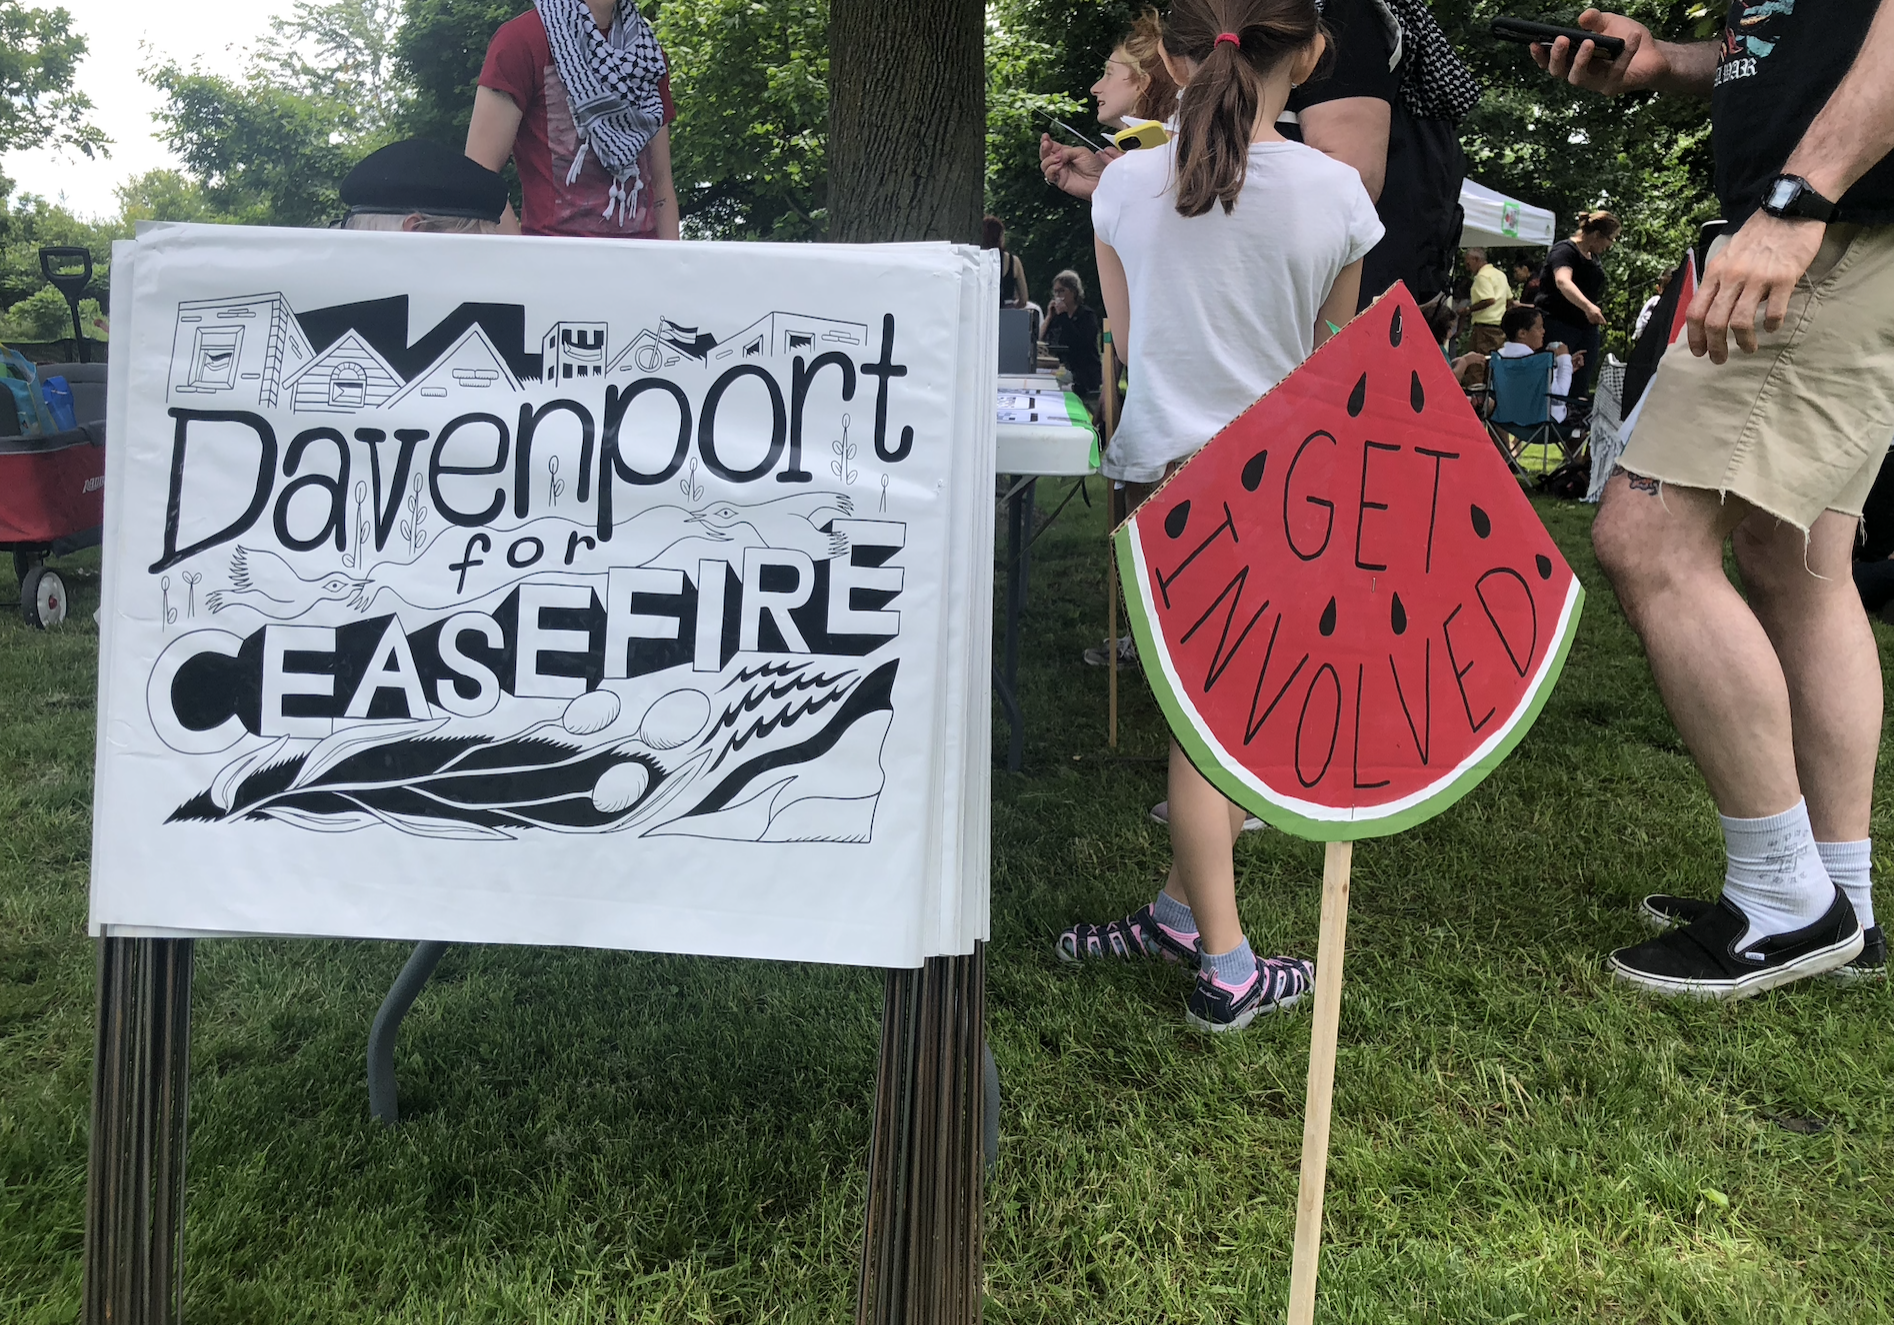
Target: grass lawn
x=594, y=1137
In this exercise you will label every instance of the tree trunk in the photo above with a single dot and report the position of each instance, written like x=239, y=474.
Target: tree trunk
x=907, y=161
x=907, y=120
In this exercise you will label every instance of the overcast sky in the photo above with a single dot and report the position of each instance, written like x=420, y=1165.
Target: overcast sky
x=123, y=36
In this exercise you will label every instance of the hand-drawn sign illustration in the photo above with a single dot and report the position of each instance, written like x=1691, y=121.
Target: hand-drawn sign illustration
x=1347, y=606
x=531, y=583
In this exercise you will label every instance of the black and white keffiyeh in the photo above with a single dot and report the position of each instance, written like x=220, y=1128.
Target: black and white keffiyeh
x=1436, y=84
x=612, y=83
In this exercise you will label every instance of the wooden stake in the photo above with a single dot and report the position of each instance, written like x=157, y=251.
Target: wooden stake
x=1108, y=402
x=921, y=1255
x=1328, y=1011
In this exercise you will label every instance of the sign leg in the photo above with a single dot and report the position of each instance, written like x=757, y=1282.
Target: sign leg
x=1111, y=640
x=1114, y=502
x=1328, y=1011
x=134, y=1238
x=921, y=1256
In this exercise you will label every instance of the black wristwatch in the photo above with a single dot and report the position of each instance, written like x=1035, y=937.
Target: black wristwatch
x=1791, y=197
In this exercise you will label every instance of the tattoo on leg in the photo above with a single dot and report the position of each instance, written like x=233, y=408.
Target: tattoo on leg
x=1638, y=482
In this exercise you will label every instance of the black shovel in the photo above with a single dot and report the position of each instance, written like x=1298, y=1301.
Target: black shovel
x=56, y=264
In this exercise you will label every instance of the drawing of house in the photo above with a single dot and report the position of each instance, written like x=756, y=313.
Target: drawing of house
x=790, y=333
x=347, y=377
x=235, y=353
x=470, y=372
x=646, y=354
x=382, y=325
x=573, y=350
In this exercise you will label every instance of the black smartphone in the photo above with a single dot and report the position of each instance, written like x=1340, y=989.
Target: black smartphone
x=1531, y=33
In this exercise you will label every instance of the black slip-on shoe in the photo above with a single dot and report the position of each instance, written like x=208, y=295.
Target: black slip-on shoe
x=1870, y=964
x=1662, y=911
x=1701, y=960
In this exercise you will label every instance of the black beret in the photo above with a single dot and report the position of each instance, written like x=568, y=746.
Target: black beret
x=415, y=175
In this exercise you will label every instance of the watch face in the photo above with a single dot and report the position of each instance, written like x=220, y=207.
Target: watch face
x=1781, y=193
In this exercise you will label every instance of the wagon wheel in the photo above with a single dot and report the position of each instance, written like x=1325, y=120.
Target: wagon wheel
x=42, y=597
x=24, y=560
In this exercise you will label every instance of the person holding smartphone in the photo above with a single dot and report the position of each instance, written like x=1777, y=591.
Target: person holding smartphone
x=1773, y=448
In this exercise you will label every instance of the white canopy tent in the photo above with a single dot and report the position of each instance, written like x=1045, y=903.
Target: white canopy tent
x=1495, y=221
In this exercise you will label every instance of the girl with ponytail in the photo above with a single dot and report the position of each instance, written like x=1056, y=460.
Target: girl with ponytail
x=1223, y=257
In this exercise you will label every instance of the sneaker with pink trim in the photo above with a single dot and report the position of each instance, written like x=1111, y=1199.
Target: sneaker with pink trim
x=1279, y=982
x=1137, y=935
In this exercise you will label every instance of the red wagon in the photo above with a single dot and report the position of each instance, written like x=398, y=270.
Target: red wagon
x=52, y=494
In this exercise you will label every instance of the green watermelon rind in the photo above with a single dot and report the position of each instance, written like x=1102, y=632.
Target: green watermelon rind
x=1347, y=825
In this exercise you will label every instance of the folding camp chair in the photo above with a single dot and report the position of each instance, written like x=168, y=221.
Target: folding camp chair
x=1520, y=420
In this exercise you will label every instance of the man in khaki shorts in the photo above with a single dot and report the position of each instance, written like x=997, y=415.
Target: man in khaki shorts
x=1774, y=448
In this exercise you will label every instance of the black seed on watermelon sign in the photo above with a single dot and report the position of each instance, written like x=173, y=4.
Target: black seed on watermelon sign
x=1544, y=563
x=1327, y=624
x=1397, y=616
x=1253, y=471
x=1482, y=523
x=1358, y=397
x=1179, y=517
x=1394, y=328
x=1415, y=396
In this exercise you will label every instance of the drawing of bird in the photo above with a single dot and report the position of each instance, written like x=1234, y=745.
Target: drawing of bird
x=786, y=522
x=265, y=583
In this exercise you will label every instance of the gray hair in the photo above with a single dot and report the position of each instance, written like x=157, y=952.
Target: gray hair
x=1477, y=252
x=1072, y=281
x=438, y=225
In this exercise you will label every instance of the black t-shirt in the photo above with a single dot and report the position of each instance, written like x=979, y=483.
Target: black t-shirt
x=1362, y=47
x=1419, y=203
x=1588, y=274
x=1074, y=338
x=1781, y=60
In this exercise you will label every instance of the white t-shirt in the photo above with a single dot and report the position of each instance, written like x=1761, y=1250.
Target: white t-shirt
x=1222, y=307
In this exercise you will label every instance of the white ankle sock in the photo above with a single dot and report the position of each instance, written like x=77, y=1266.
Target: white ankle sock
x=1775, y=874
x=1847, y=865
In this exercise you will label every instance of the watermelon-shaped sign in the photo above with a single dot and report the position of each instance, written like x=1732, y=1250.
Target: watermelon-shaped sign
x=1348, y=608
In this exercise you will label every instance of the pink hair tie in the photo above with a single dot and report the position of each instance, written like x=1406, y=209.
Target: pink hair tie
x=1230, y=37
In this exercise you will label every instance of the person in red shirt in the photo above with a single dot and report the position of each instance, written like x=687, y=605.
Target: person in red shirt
x=578, y=94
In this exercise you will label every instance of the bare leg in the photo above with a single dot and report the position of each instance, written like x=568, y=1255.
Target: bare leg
x=1714, y=663
x=1204, y=825
x=1829, y=660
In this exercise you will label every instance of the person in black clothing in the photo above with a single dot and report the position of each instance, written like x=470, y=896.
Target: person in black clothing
x=1410, y=164
x=1525, y=283
x=1874, y=554
x=1012, y=272
x=1572, y=291
x=1769, y=451
x=1072, y=334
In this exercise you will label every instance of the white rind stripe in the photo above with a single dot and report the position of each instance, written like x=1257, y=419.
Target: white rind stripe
x=1330, y=813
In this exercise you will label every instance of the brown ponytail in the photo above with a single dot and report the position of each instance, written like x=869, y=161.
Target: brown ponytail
x=1217, y=113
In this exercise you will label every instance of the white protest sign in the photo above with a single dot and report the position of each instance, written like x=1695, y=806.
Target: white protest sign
x=548, y=591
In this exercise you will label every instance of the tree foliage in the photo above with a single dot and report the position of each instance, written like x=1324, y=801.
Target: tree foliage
x=1646, y=158
x=322, y=90
x=441, y=45
x=263, y=153
x=751, y=82
x=36, y=311
x=342, y=51
x=39, y=106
